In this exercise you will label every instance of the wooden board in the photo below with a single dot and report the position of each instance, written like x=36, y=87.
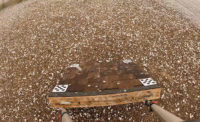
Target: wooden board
x=103, y=84
x=106, y=99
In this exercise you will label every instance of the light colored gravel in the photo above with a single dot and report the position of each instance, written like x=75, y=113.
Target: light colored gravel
x=40, y=38
x=188, y=8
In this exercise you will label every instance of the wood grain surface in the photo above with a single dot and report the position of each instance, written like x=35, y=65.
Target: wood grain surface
x=104, y=100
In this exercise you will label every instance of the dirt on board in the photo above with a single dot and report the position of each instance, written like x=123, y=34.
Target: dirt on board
x=94, y=77
x=39, y=39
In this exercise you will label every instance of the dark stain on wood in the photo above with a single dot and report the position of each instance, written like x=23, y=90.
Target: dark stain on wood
x=103, y=76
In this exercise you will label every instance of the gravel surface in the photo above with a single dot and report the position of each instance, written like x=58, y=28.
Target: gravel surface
x=41, y=38
x=188, y=8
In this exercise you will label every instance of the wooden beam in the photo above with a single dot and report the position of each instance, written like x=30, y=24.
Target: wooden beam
x=105, y=99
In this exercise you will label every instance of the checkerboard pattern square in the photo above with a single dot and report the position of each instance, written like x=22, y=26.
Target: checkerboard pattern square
x=60, y=88
x=148, y=81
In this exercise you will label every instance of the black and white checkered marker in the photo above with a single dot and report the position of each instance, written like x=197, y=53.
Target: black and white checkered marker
x=60, y=88
x=148, y=81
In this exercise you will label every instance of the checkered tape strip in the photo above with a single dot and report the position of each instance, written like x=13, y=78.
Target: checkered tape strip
x=60, y=88
x=148, y=81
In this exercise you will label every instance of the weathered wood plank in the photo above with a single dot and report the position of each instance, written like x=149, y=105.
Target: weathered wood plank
x=105, y=100
x=103, y=84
